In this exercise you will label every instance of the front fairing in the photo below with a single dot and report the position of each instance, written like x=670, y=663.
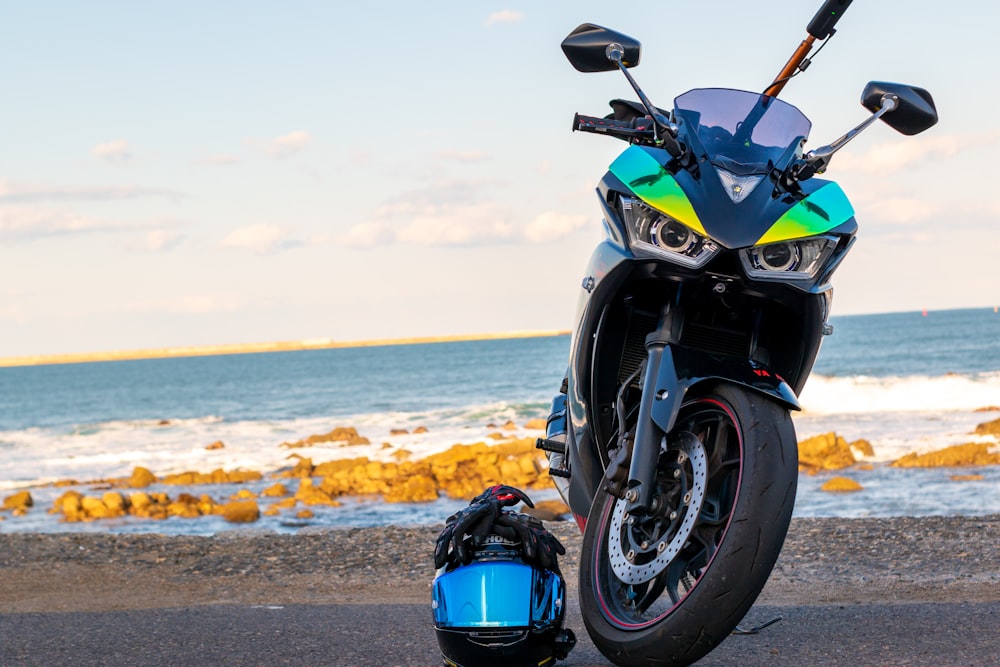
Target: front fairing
x=739, y=141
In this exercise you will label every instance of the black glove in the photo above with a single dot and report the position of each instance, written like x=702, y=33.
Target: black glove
x=476, y=520
x=538, y=545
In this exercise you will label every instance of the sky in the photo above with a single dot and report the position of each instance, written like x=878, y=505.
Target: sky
x=193, y=173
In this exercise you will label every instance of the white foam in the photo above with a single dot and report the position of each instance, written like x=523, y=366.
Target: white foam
x=860, y=394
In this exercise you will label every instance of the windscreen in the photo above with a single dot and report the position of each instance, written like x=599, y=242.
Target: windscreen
x=741, y=127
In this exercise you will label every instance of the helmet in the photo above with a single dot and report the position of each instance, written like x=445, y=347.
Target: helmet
x=498, y=610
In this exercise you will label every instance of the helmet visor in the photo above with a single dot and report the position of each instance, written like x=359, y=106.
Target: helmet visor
x=497, y=594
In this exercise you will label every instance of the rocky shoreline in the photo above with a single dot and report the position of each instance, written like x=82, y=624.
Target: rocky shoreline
x=824, y=561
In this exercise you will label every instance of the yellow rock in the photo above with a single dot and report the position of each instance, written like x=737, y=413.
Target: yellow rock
x=243, y=494
x=863, y=447
x=272, y=511
x=278, y=490
x=969, y=454
x=989, y=428
x=95, y=508
x=509, y=426
x=535, y=424
x=414, y=489
x=841, y=485
x=304, y=514
x=116, y=503
x=402, y=454
x=20, y=500
x=218, y=444
x=549, y=510
x=420, y=429
x=341, y=436
x=140, y=500
x=398, y=431
x=141, y=478
x=826, y=452
x=240, y=511
x=967, y=478
x=285, y=503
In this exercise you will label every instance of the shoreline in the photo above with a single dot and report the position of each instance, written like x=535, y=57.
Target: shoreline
x=256, y=348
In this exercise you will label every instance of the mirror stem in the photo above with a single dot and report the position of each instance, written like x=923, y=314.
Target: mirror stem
x=663, y=130
x=817, y=160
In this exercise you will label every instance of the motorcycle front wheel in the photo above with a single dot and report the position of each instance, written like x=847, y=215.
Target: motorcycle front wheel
x=666, y=589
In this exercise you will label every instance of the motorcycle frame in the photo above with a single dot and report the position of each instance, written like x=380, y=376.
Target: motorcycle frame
x=782, y=344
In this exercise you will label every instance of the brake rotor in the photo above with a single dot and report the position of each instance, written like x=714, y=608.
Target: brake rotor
x=629, y=570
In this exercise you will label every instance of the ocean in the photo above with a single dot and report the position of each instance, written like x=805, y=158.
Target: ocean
x=907, y=382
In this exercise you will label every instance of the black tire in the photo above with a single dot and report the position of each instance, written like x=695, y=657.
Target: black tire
x=725, y=550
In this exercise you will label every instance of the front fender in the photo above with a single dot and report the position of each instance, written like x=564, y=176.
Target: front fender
x=681, y=369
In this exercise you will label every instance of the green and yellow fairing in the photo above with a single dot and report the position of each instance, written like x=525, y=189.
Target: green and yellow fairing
x=759, y=220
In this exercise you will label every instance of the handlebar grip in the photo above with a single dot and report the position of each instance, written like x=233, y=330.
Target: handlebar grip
x=583, y=123
x=826, y=18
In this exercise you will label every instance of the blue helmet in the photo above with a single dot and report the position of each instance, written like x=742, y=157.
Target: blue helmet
x=500, y=610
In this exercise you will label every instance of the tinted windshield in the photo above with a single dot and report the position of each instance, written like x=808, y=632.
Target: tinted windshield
x=742, y=127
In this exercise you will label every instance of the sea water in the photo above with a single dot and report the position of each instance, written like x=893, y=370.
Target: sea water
x=906, y=382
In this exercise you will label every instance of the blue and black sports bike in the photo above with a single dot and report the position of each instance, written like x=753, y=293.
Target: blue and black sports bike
x=701, y=314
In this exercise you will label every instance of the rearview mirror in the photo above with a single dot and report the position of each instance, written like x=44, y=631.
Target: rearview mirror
x=915, y=110
x=586, y=48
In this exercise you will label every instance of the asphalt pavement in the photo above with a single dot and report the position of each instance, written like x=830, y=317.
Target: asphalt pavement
x=917, y=634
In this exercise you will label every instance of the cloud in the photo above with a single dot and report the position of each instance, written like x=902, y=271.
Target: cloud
x=898, y=210
x=156, y=240
x=550, y=226
x=430, y=224
x=283, y=146
x=19, y=192
x=504, y=16
x=465, y=156
x=114, y=151
x=218, y=160
x=261, y=238
x=454, y=214
x=30, y=222
x=893, y=156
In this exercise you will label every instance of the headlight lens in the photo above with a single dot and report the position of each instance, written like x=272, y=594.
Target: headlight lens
x=655, y=233
x=790, y=260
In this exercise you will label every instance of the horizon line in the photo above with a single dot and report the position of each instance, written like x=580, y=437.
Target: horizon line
x=256, y=348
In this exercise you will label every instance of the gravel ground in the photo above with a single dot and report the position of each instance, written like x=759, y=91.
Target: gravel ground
x=824, y=561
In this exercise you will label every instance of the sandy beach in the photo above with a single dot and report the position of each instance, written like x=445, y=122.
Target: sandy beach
x=254, y=348
x=824, y=561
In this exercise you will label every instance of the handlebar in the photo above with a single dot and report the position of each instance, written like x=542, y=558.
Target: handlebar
x=638, y=129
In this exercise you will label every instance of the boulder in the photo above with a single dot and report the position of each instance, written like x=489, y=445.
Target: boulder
x=277, y=490
x=825, y=452
x=989, y=428
x=841, y=485
x=968, y=478
x=969, y=454
x=535, y=424
x=341, y=436
x=240, y=511
x=141, y=478
x=218, y=444
x=549, y=510
x=862, y=448
x=420, y=429
x=116, y=503
x=304, y=514
x=398, y=431
x=21, y=500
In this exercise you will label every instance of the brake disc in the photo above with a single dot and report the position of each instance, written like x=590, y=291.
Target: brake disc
x=627, y=569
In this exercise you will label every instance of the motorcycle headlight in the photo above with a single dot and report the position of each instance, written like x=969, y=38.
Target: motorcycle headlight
x=788, y=260
x=655, y=233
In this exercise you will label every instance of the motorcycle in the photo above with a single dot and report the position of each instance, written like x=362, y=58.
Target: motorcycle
x=700, y=317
